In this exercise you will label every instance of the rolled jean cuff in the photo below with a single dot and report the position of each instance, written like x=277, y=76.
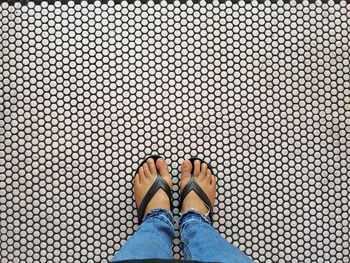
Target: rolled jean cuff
x=161, y=214
x=193, y=215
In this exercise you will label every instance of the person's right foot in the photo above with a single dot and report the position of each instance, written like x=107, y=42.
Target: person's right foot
x=144, y=179
x=204, y=178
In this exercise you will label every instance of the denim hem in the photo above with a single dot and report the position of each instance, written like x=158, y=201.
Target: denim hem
x=194, y=214
x=161, y=214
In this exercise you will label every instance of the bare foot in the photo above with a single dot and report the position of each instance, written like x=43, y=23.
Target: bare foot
x=204, y=178
x=144, y=179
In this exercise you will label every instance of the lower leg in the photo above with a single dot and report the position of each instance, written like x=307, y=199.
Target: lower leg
x=199, y=240
x=155, y=235
x=153, y=239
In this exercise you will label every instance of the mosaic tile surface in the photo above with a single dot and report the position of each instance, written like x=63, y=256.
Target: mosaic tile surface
x=261, y=91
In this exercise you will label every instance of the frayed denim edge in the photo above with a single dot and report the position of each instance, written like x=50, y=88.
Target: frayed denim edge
x=194, y=211
x=157, y=211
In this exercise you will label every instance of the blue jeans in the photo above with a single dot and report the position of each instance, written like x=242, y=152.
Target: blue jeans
x=199, y=240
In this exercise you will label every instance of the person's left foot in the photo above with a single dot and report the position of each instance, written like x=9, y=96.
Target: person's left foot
x=206, y=181
x=144, y=179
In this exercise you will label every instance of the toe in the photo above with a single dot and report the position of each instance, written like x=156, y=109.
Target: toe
x=186, y=168
x=162, y=167
x=146, y=170
x=204, y=167
x=141, y=174
x=137, y=179
x=210, y=176
x=212, y=179
x=197, y=168
x=152, y=166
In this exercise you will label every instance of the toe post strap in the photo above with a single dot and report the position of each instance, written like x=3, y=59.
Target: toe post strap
x=158, y=183
x=192, y=185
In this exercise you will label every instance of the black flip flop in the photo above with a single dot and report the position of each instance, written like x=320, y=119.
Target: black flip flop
x=158, y=183
x=192, y=185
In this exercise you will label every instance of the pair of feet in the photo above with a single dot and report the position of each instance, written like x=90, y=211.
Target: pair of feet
x=147, y=174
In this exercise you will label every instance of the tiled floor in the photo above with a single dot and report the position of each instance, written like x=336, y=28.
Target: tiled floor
x=261, y=91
